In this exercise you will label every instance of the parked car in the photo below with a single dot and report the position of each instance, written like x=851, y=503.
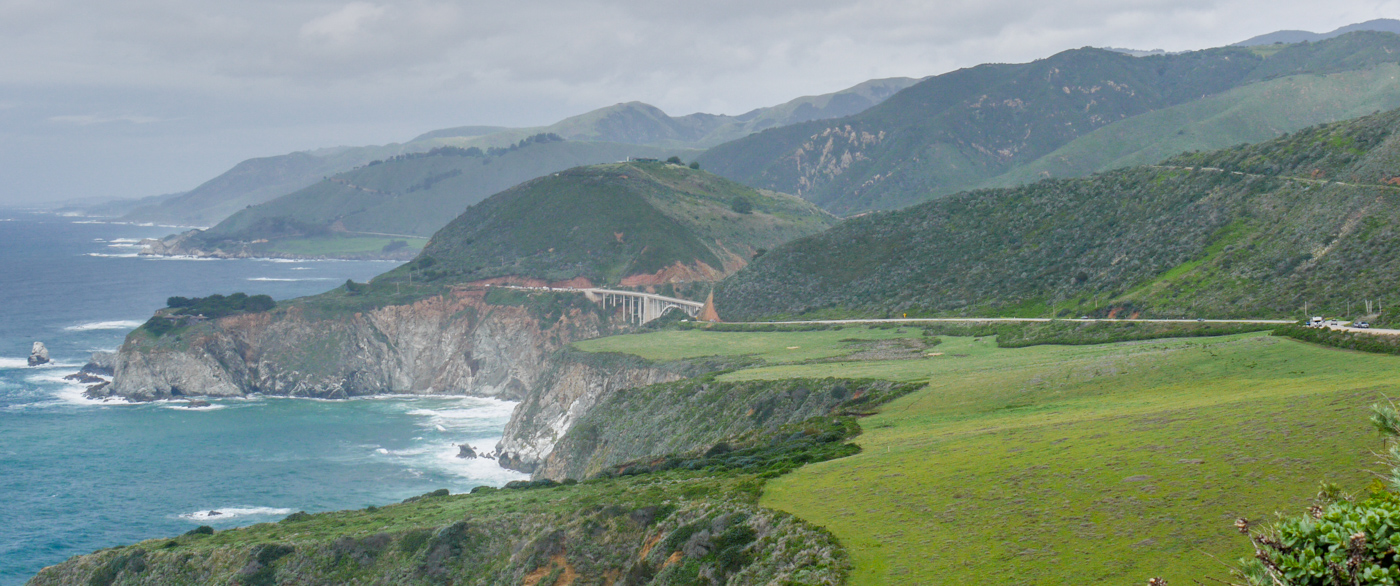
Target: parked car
x=1362, y=325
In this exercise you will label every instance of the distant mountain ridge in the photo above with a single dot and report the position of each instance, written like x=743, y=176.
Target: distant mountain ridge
x=259, y=180
x=632, y=224
x=1289, y=37
x=963, y=129
x=1308, y=219
x=640, y=123
x=405, y=196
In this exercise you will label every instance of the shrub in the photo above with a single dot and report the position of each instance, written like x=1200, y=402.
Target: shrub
x=1339, y=541
x=296, y=517
x=201, y=530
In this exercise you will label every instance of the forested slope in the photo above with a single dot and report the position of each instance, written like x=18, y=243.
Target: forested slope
x=609, y=222
x=958, y=130
x=1308, y=219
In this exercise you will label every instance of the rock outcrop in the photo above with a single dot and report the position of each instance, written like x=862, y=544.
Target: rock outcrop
x=38, y=354
x=449, y=344
x=191, y=244
x=100, y=364
x=457, y=344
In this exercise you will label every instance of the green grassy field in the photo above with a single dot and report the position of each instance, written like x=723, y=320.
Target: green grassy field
x=1068, y=464
x=772, y=347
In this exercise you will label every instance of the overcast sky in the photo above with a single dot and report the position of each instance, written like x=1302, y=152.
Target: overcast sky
x=141, y=97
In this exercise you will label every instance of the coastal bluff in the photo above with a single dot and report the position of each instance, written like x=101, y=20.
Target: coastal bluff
x=459, y=343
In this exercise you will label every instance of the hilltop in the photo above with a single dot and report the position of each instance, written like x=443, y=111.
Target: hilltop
x=403, y=199
x=1388, y=25
x=632, y=129
x=970, y=127
x=644, y=124
x=624, y=223
x=1253, y=231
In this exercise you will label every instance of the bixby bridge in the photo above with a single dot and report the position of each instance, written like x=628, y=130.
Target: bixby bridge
x=638, y=307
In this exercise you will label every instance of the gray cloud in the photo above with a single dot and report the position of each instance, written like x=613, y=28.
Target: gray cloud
x=208, y=83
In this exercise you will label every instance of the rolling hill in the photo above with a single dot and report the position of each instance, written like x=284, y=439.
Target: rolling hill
x=626, y=223
x=1306, y=220
x=260, y=180
x=1388, y=25
x=1253, y=113
x=962, y=129
x=408, y=196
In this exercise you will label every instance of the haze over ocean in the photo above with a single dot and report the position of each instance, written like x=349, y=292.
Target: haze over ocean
x=77, y=476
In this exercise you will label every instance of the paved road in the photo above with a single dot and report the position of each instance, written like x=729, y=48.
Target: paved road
x=1377, y=331
x=918, y=320
x=597, y=291
x=1020, y=319
x=1286, y=177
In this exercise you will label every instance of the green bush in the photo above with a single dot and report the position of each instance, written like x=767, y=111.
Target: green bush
x=1340, y=541
x=1379, y=344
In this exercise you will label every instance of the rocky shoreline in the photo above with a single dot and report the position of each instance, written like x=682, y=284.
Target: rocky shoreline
x=184, y=245
x=454, y=344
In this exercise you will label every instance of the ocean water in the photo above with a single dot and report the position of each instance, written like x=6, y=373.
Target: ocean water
x=78, y=475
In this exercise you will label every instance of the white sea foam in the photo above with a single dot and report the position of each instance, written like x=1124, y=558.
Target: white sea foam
x=7, y=363
x=282, y=279
x=123, y=324
x=108, y=255
x=448, y=425
x=141, y=224
x=125, y=240
x=473, y=413
x=185, y=406
x=70, y=392
x=440, y=456
x=180, y=257
x=10, y=363
x=301, y=268
x=233, y=513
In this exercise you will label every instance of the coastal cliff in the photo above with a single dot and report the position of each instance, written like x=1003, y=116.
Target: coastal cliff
x=454, y=343
x=573, y=385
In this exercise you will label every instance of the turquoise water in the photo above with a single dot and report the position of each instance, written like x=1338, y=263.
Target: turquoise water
x=77, y=476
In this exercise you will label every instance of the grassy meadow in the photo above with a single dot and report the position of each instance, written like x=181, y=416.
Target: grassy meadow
x=1108, y=463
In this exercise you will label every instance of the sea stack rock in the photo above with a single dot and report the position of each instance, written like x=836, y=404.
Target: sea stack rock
x=466, y=451
x=38, y=355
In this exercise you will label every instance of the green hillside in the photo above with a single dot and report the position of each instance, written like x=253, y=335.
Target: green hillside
x=1253, y=113
x=406, y=196
x=1254, y=231
x=260, y=180
x=607, y=222
x=1087, y=464
x=644, y=124
x=958, y=130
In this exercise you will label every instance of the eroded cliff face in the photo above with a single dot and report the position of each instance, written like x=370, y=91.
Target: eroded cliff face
x=450, y=344
x=571, y=386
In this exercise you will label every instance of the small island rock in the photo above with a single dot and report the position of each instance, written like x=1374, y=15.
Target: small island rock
x=466, y=451
x=38, y=355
